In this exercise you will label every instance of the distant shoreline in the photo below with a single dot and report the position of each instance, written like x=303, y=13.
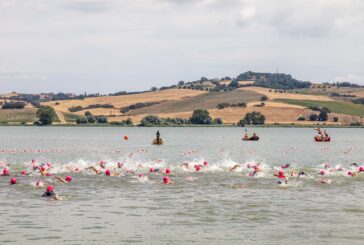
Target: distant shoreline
x=184, y=126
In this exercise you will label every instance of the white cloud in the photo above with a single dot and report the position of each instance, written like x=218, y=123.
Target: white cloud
x=80, y=44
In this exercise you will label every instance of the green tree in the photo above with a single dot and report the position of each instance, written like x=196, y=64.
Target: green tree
x=90, y=118
x=217, y=121
x=323, y=116
x=101, y=119
x=81, y=120
x=46, y=115
x=254, y=118
x=200, y=117
x=150, y=120
x=241, y=123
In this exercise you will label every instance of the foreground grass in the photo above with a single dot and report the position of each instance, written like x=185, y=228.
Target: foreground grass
x=335, y=106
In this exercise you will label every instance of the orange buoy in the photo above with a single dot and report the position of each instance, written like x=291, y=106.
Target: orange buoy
x=126, y=137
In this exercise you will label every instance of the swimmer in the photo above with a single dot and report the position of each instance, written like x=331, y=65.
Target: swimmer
x=185, y=165
x=354, y=164
x=286, y=166
x=39, y=183
x=281, y=176
x=6, y=172
x=94, y=169
x=43, y=170
x=50, y=193
x=12, y=181
x=234, y=167
x=167, y=181
x=108, y=173
x=64, y=180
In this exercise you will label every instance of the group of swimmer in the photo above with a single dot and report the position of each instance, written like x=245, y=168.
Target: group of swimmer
x=282, y=173
x=323, y=137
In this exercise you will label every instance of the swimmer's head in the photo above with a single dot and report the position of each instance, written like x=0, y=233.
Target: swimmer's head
x=42, y=168
x=197, y=168
x=48, y=174
x=50, y=188
x=322, y=172
x=6, y=171
x=49, y=165
x=68, y=178
x=166, y=180
x=151, y=170
x=205, y=163
x=350, y=173
x=107, y=172
x=13, y=181
x=24, y=172
x=120, y=164
x=168, y=171
x=361, y=169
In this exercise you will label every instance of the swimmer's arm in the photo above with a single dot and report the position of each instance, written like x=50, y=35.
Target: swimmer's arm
x=235, y=167
x=57, y=197
x=60, y=179
x=42, y=172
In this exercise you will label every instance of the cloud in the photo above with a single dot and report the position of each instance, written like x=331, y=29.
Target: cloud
x=89, y=6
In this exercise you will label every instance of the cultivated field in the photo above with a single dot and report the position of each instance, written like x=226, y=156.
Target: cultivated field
x=335, y=106
x=204, y=101
x=18, y=116
x=277, y=95
x=125, y=100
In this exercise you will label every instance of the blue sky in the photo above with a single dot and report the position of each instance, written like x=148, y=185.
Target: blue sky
x=109, y=45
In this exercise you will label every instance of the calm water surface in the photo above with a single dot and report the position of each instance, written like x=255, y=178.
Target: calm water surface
x=214, y=206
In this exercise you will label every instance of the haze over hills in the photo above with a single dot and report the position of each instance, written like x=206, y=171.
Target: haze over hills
x=281, y=98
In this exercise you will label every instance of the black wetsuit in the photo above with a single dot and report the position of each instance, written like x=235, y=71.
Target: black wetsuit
x=158, y=135
x=48, y=194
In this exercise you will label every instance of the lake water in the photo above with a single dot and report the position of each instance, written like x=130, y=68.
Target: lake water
x=214, y=205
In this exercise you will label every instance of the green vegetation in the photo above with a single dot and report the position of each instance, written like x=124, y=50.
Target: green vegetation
x=80, y=108
x=46, y=115
x=137, y=106
x=252, y=118
x=89, y=118
x=69, y=117
x=273, y=80
x=200, y=117
x=13, y=105
x=151, y=120
x=358, y=101
x=334, y=106
x=227, y=105
x=127, y=122
x=18, y=116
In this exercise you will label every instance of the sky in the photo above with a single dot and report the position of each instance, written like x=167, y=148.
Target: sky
x=109, y=46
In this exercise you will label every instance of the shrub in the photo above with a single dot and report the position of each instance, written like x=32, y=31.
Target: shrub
x=301, y=118
x=13, y=105
x=263, y=98
x=222, y=105
x=101, y=119
x=335, y=119
x=150, y=120
x=46, y=115
x=200, y=117
x=313, y=117
x=254, y=118
x=323, y=116
x=217, y=121
x=81, y=120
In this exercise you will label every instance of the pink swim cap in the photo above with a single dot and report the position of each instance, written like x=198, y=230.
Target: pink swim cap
x=361, y=169
x=33, y=161
x=198, y=168
x=49, y=164
x=13, y=181
x=107, y=172
x=168, y=171
x=151, y=170
x=350, y=173
x=120, y=164
x=24, y=172
x=165, y=179
x=322, y=172
x=248, y=165
x=140, y=175
x=68, y=178
x=50, y=188
x=205, y=163
x=48, y=174
x=42, y=168
x=6, y=171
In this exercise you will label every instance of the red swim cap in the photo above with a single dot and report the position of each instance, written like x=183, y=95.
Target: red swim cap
x=151, y=170
x=281, y=175
x=48, y=174
x=361, y=169
x=168, y=171
x=322, y=172
x=50, y=188
x=205, y=163
x=13, y=181
x=140, y=175
x=107, y=172
x=68, y=178
x=24, y=172
x=42, y=168
x=6, y=171
x=166, y=180
x=350, y=173
x=198, y=168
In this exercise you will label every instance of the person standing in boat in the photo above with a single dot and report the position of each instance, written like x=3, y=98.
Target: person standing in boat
x=158, y=136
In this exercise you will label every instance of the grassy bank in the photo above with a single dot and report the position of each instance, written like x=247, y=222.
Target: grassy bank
x=334, y=106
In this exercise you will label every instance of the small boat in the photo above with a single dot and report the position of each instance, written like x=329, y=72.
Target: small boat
x=256, y=138
x=157, y=142
x=327, y=139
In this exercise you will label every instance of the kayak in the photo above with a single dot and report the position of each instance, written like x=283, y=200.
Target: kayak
x=157, y=142
x=252, y=138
